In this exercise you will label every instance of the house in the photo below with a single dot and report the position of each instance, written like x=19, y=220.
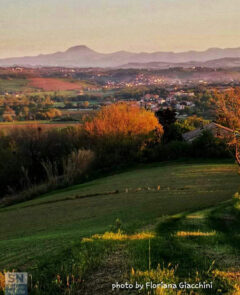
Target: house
x=151, y=96
x=161, y=100
x=216, y=129
x=147, y=96
x=180, y=106
x=170, y=99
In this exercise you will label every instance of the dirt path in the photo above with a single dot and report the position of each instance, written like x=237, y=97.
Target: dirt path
x=114, y=269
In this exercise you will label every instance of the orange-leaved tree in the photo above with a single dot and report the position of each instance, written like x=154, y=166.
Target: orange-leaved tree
x=228, y=107
x=120, y=133
x=122, y=120
x=228, y=114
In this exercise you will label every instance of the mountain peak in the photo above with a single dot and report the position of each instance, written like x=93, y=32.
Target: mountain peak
x=80, y=48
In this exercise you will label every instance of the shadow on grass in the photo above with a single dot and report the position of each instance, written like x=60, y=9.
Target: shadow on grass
x=191, y=243
x=226, y=220
x=170, y=248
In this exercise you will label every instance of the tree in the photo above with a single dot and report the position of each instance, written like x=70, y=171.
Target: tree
x=7, y=118
x=195, y=122
x=86, y=104
x=52, y=113
x=228, y=107
x=25, y=112
x=228, y=114
x=122, y=119
x=120, y=133
x=48, y=101
x=167, y=118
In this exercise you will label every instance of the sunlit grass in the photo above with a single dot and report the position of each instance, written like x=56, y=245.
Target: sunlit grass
x=119, y=236
x=195, y=234
x=194, y=216
x=158, y=274
x=232, y=275
x=164, y=275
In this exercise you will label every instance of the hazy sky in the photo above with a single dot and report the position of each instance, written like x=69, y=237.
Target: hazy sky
x=29, y=27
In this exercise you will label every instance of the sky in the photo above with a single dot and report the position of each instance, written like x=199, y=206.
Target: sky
x=31, y=27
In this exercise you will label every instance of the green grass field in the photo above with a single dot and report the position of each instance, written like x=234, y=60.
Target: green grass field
x=13, y=85
x=65, y=93
x=46, y=225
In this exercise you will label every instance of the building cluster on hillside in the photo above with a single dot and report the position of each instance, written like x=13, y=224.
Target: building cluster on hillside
x=178, y=100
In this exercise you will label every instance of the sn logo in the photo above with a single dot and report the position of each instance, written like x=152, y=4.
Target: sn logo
x=16, y=278
x=16, y=283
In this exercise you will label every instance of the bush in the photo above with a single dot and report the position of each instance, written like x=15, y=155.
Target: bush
x=28, y=153
x=205, y=146
x=77, y=163
x=167, y=152
x=209, y=146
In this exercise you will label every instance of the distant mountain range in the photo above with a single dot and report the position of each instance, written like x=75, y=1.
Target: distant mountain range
x=82, y=56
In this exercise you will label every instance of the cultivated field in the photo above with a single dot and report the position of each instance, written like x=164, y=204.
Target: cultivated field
x=52, y=84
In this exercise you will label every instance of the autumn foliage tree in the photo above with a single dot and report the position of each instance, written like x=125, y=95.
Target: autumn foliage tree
x=122, y=119
x=120, y=131
x=7, y=118
x=52, y=113
x=228, y=114
x=228, y=107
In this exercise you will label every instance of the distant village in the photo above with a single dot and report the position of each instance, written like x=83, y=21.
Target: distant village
x=177, y=100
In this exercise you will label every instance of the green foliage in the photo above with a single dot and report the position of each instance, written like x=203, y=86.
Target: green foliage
x=209, y=146
x=24, y=151
x=205, y=146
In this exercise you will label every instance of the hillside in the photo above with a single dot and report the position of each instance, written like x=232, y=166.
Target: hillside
x=49, y=223
x=221, y=63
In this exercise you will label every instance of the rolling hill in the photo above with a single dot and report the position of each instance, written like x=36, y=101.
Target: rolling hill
x=227, y=62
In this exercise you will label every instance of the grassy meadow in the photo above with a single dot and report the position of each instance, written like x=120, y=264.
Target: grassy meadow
x=149, y=212
x=44, y=124
x=13, y=85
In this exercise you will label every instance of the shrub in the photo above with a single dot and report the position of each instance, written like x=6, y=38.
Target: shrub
x=171, y=151
x=209, y=146
x=77, y=163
